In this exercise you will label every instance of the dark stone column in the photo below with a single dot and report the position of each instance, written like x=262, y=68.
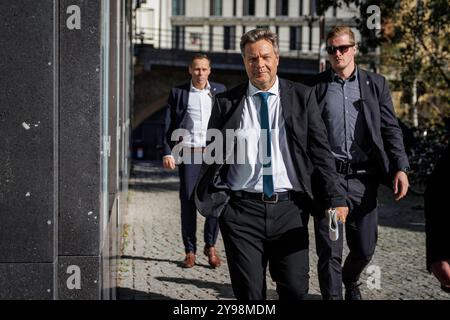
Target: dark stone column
x=28, y=139
x=80, y=143
x=60, y=66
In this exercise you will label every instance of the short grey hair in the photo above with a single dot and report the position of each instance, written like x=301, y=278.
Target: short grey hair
x=255, y=35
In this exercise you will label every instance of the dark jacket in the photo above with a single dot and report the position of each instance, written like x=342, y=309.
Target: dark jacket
x=385, y=134
x=176, y=109
x=437, y=212
x=307, y=141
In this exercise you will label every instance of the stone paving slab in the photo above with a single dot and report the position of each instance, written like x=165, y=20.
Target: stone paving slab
x=150, y=266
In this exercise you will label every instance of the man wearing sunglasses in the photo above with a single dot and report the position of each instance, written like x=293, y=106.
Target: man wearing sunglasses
x=367, y=145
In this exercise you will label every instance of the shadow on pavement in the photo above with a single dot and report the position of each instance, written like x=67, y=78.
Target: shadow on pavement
x=131, y=294
x=407, y=214
x=152, y=186
x=154, y=169
x=150, y=176
x=404, y=214
x=223, y=289
x=179, y=263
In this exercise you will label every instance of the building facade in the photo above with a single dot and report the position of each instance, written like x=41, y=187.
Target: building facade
x=217, y=25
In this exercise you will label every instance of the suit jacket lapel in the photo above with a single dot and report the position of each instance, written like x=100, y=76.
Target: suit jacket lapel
x=233, y=114
x=321, y=91
x=286, y=102
x=185, y=96
x=322, y=87
x=235, y=108
x=366, y=98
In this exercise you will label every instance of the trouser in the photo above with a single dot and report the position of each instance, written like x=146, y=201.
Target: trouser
x=256, y=234
x=361, y=233
x=188, y=176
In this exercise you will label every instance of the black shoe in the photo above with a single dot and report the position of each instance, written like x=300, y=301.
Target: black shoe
x=352, y=292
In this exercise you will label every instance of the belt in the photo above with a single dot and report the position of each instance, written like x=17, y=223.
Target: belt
x=276, y=197
x=348, y=168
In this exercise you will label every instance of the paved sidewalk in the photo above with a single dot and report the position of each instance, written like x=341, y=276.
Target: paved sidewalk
x=152, y=252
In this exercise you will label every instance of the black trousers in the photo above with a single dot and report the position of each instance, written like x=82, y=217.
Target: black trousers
x=257, y=234
x=188, y=177
x=361, y=231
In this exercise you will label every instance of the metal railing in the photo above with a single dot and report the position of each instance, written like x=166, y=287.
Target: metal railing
x=189, y=39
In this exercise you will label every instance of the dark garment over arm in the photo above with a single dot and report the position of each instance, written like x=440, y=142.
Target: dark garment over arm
x=437, y=212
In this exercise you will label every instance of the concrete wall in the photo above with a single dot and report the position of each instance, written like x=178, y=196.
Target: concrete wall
x=62, y=135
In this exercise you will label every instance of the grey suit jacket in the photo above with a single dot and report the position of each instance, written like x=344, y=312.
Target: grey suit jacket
x=385, y=133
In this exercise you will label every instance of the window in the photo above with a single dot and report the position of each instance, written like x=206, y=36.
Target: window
x=310, y=37
x=215, y=7
x=178, y=37
x=229, y=37
x=300, y=9
x=195, y=38
x=267, y=8
x=282, y=7
x=249, y=8
x=211, y=38
x=178, y=7
x=295, y=38
x=234, y=8
x=334, y=10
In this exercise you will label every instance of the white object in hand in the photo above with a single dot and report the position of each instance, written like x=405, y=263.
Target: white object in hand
x=333, y=227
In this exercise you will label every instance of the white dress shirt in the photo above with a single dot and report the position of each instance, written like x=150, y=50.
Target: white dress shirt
x=197, y=116
x=247, y=174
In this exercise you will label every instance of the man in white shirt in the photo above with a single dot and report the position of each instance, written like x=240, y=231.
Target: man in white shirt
x=189, y=108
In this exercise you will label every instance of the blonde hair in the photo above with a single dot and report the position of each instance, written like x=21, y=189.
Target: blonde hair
x=337, y=31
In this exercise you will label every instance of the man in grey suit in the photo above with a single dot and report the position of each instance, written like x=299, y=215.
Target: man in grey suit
x=189, y=108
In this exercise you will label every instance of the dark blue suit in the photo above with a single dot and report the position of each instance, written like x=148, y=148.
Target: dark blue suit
x=255, y=233
x=175, y=112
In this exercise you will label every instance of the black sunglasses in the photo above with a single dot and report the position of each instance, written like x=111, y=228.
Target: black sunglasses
x=342, y=49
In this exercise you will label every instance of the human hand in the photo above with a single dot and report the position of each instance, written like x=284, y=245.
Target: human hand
x=342, y=213
x=168, y=162
x=441, y=270
x=401, y=185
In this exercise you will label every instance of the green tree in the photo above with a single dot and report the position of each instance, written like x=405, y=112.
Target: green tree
x=421, y=38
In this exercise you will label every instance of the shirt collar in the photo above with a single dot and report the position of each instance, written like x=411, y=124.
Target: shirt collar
x=353, y=76
x=274, y=90
x=207, y=88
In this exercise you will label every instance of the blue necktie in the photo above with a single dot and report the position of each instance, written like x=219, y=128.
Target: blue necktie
x=267, y=152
